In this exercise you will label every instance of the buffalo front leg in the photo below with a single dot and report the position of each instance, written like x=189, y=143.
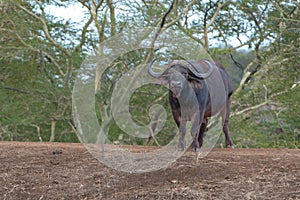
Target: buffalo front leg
x=182, y=132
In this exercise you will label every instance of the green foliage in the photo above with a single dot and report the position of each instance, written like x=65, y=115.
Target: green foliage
x=276, y=123
x=40, y=55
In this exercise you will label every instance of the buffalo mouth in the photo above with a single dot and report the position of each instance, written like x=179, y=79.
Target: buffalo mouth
x=176, y=91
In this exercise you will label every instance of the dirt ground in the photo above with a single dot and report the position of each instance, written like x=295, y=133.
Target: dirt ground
x=68, y=171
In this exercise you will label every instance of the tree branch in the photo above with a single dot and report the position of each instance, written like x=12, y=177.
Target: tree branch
x=16, y=89
x=186, y=10
x=112, y=17
x=83, y=34
x=267, y=101
x=189, y=34
x=211, y=22
x=250, y=108
x=38, y=129
x=161, y=28
x=245, y=77
x=45, y=28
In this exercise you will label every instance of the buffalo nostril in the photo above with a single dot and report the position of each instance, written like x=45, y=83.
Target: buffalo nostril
x=175, y=84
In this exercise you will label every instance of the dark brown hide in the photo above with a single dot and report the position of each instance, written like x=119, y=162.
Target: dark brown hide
x=197, y=90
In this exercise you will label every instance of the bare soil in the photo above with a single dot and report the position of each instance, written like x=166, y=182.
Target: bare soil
x=68, y=171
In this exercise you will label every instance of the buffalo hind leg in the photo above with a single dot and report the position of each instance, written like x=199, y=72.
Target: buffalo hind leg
x=195, y=135
x=225, y=116
x=202, y=131
x=195, y=131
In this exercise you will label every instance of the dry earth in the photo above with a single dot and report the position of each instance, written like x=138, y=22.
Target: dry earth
x=68, y=171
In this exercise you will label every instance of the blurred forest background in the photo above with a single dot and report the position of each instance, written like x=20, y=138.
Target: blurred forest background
x=41, y=53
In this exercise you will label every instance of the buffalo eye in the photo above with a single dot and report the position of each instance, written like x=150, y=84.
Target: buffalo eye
x=184, y=73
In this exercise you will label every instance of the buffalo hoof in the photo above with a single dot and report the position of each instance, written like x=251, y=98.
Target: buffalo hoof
x=179, y=148
x=230, y=146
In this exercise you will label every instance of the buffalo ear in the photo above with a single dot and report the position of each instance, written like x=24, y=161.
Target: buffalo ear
x=162, y=80
x=196, y=83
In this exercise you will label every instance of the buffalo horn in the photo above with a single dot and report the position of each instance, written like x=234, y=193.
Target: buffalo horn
x=198, y=74
x=151, y=72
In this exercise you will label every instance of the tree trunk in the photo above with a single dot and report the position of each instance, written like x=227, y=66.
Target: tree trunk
x=53, y=125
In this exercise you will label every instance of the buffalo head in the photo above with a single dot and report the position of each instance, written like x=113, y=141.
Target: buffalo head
x=179, y=72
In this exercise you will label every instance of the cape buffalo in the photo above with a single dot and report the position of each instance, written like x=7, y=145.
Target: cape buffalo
x=197, y=90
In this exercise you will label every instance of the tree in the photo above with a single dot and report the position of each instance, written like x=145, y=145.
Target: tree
x=41, y=54
x=35, y=43
x=266, y=89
